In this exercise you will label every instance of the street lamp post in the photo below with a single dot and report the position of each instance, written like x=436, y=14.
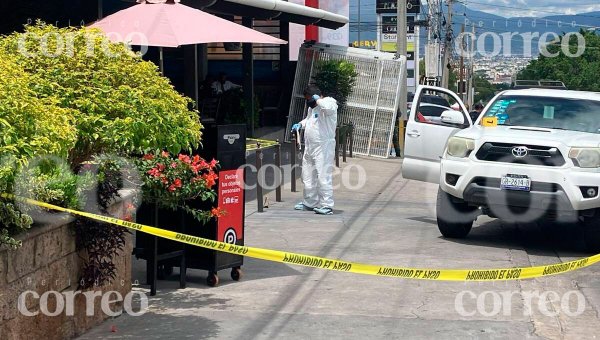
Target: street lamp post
x=359, y=23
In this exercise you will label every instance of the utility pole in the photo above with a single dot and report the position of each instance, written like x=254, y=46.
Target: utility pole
x=447, y=47
x=401, y=36
x=358, y=23
x=471, y=94
x=401, y=51
x=461, y=71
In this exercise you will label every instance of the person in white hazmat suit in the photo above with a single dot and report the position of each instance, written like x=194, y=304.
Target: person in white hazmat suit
x=319, y=140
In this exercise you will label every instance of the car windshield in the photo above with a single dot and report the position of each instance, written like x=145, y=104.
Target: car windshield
x=547, y=112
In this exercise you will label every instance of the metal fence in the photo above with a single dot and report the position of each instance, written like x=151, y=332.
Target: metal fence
x=373, y=104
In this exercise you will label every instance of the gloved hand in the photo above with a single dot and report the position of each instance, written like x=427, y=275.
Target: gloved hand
x=296, y=127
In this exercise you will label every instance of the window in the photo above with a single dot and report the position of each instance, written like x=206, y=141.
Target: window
x=547, y=112
x=432, y=105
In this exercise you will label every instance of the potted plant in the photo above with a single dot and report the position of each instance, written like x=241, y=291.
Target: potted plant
x=178, y=195
x=336, y=78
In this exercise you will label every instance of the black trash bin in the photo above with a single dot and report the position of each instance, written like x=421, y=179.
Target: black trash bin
x=227, y=144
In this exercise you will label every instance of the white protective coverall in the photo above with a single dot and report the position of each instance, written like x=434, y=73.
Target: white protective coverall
x=319, y=152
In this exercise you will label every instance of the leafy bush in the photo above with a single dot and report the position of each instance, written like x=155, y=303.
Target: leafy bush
x=30, y=125
x=336, y=78
x=53, y=182
x=71, y=93
x=121, y=104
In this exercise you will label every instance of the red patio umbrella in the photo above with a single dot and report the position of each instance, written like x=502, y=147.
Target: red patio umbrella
x=165, y=23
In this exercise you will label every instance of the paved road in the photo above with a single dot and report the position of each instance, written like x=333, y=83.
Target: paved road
x=390, y=221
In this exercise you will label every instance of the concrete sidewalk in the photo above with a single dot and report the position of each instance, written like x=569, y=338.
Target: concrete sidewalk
x=387, y=221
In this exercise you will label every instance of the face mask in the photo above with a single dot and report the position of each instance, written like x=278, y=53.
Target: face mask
x=311, y=103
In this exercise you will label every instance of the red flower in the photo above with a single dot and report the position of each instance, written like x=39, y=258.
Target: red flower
x=185, y=158
x=148, y=157
x=154, y=172
x=177, y=183
x=217, y=212
x=173, y=165
x=203, y=165
x=210, y=179
x=165, y=154
x=213, y=163
x=196, y=159
x=161, y=167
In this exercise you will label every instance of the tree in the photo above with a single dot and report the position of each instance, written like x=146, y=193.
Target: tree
x=577, y=73
x=484, y=90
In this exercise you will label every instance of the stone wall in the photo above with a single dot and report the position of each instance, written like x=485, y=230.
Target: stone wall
x=48, y=261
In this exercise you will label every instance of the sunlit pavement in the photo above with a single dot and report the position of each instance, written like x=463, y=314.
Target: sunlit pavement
x=389, y=221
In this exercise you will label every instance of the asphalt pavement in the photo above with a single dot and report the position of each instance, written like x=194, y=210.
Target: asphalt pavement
x=386, y=220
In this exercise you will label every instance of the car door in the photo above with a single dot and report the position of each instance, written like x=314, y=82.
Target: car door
x=426, y=138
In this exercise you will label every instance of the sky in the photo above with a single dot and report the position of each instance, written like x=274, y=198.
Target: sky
x=512, y=8
x=534, y=8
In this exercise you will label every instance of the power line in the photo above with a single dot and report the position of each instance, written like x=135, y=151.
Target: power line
x=541, y=20
x=527, y=9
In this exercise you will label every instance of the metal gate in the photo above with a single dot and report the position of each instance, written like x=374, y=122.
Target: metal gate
x=373, y=104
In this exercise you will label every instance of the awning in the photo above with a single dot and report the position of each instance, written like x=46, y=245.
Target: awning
x=272, y=9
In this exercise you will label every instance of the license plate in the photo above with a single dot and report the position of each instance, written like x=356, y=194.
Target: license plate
x=515, y=182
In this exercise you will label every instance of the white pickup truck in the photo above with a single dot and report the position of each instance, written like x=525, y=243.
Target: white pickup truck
x=532, y=155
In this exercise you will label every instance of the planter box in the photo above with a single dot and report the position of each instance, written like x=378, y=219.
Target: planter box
x=48, y=261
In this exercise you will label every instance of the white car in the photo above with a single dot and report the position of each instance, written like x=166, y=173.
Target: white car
x=535, y=157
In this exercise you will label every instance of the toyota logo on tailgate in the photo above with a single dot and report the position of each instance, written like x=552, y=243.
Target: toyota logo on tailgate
x=520, y=151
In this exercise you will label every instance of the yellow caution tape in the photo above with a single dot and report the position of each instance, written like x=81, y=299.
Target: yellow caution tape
x=253, y=144
x=262, y=141
x=333, y=264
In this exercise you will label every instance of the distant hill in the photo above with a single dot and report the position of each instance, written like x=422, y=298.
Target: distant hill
x=485, y=22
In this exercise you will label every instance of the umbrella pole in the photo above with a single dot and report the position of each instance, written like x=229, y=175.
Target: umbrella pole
x=196, y=74
x=161, y=63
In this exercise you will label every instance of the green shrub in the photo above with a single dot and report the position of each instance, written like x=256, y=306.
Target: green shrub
x=336, y=79
x=54, y=182
x=12, y=221
x=30, y=126
x=121, y=104
x=70, y=93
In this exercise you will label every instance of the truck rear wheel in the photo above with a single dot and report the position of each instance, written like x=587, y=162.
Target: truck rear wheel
x=454, y=216
x=591, y=232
